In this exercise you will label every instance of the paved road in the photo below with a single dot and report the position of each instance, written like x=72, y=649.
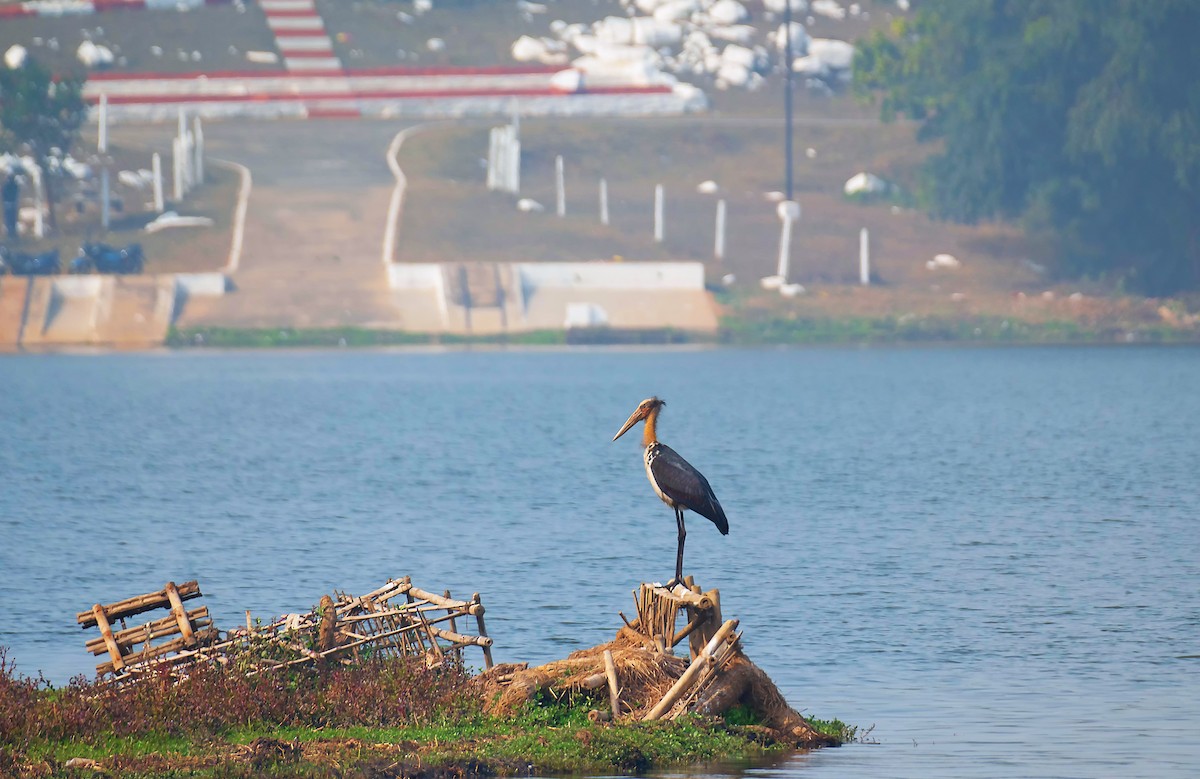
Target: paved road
x=314, y=226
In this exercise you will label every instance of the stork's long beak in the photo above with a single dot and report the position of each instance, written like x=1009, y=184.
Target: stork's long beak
x=634, y=418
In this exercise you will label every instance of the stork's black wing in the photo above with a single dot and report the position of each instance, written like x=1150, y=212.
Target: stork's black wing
x=685, y=485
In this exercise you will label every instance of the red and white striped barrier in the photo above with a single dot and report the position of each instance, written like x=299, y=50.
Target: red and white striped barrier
x=417, y=92
x=83, y=7
x=306, y=47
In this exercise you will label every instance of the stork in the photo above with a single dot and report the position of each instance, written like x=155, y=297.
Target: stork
x=673, y=478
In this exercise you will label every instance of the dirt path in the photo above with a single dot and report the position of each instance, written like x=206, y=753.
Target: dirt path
x=314, y=226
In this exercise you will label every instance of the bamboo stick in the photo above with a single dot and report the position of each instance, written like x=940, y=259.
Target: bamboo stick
x=151, y=630
x=459, y=638
x=454, y=629
x=715, y=665
x=393, y=587
x=113, y=650
x=701, y=617
x=137, y=605
x=614, y=692
x=477, y=610
x=201, y=636
x=692, y=673
x=185, y=627
x=445, y=603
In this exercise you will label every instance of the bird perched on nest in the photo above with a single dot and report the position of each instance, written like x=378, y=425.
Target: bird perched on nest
x=673, y=478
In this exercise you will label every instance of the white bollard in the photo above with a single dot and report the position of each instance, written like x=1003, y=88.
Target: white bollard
x=864, y=257
x=156, y=169
x=604, y=202
x=513, y=160
x=658, y=213
x=719, y=243
x=39, y=200
x=493, y=159
x=789, y=213
x=105, y=198
x=177, y=155
x=102, y=125
x=559, y=187
x=198, y=151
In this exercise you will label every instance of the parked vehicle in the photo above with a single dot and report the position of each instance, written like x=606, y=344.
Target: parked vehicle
x=22, y=264
x=102, y=258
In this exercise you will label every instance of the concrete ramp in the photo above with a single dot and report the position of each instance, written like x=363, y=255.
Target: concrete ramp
x=13, y=292
x=125, y=312
x=495, y=298
x=135, y=311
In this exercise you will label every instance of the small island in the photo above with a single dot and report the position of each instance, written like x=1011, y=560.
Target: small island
x=380, y=685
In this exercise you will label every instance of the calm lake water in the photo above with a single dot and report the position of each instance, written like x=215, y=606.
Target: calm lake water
x=992, y=556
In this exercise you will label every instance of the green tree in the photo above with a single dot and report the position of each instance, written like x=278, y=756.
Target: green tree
x=1081, y=118
x=40, y=115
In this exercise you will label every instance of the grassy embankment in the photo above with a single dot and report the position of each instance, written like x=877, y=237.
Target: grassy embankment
x=386, y=718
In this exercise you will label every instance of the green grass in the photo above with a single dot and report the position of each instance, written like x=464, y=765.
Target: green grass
x=932, y=329
x=348, y=721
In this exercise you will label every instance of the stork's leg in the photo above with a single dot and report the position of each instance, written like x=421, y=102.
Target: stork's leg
x=679, y=554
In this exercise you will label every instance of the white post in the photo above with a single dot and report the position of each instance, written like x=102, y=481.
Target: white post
x=789, y=212
x=514, y=161
x=102, y=148
x=182, y=124
x=156, y=168
x=198, y=133
x=604, y=202
x=864, y=257
x=658, y=213
x=105, y=198
x=39, y=226
x=493, y=159
x=719, y=244
x=102, y=125
x=561, y=202
x=177, y=168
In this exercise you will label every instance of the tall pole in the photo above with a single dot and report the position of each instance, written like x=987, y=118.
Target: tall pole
x=559, y=187
x=787, y=97
x=604, y=202
x=156, y=169
x=864, y=257
x=102, y=125
x=102, y=148
x=658, y=213
x=719, y=240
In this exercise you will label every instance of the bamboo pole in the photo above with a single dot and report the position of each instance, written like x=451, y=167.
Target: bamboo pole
x=136, y=658
x=724, y=654
x=441, y=602
x=151, y=630
x=106, y=631
x=614, y=692
x=185, y=627
x=477, y=610
x=138, y=604
x=692, y=674
x=701, y=617
x=454, y=628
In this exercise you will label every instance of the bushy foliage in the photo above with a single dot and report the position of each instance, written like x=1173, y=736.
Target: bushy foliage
x=215, y=698
x=1079, y=117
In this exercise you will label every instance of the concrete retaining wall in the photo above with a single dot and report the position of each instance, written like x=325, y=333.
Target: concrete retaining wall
x=522, y=297
x=48, y=312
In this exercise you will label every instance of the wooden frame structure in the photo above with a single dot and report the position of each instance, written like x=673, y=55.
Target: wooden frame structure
x=397, y=619
x=712, y=643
